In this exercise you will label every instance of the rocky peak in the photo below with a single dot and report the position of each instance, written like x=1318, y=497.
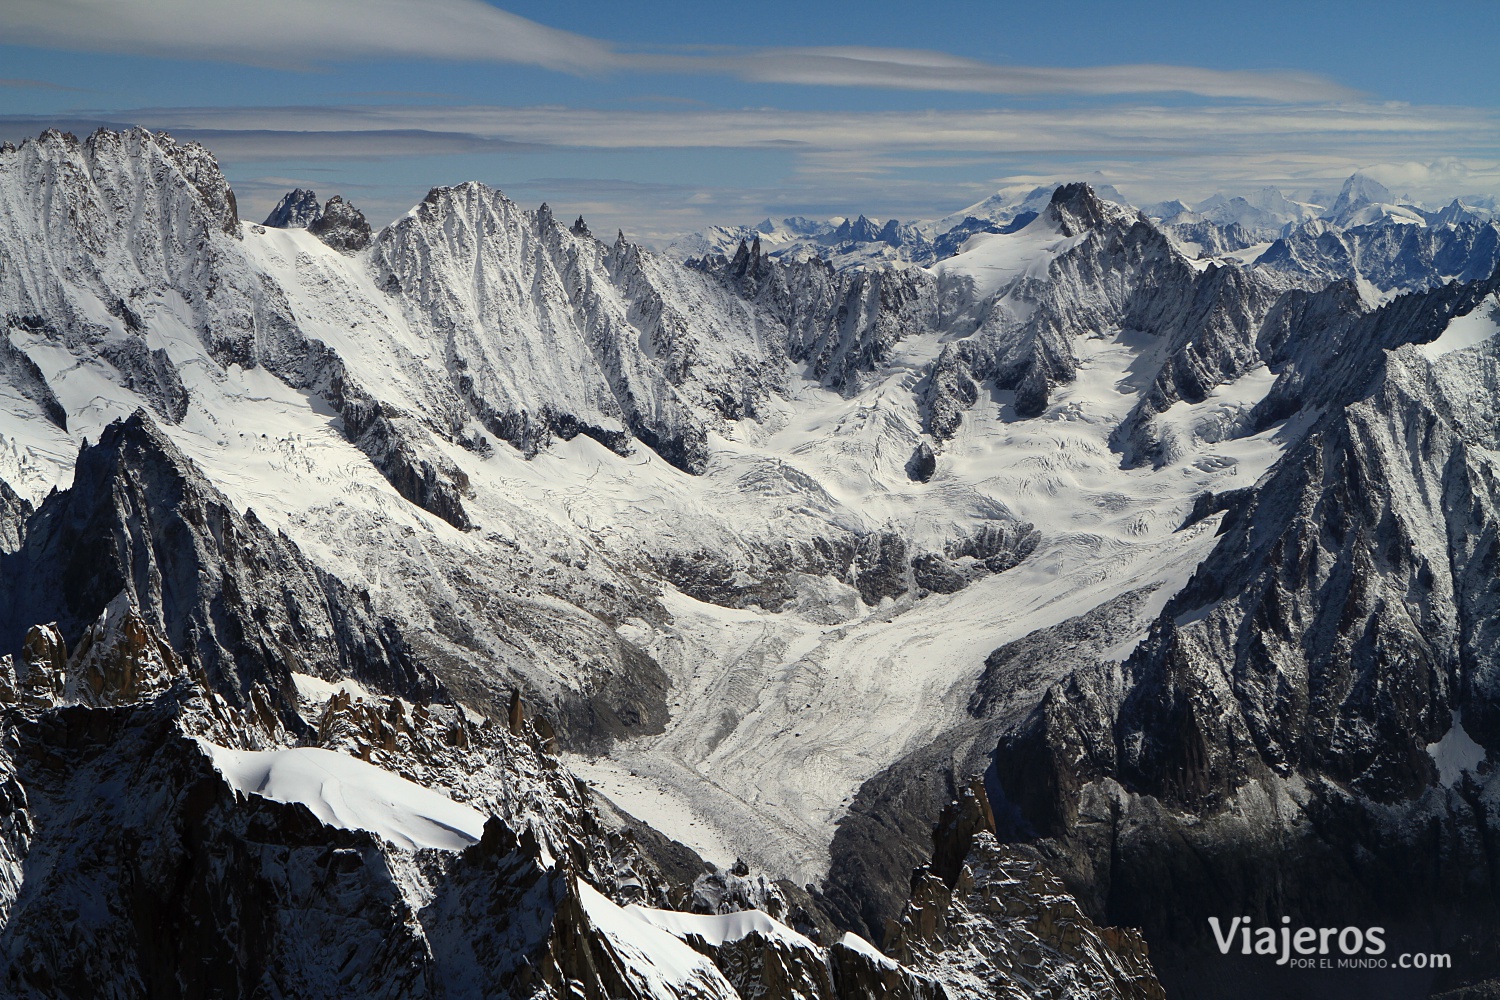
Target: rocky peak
x=297, y=209
x=1009, y=928
x=735, y=890
x=14, y=510
x=990, y=920
x=43, y=668
x=121, y=659
x=231, y=596
x=860, y=230
x=1358, y=191
x=1075, y=209
x=960, y=822
x=341, y=226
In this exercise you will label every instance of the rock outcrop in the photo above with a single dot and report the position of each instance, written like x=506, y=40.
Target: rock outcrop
x=341, y=226
x=240, y=602
x=297, y=209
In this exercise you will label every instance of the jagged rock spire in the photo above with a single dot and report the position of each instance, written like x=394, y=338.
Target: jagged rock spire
x=341, y=226
x=297, y=209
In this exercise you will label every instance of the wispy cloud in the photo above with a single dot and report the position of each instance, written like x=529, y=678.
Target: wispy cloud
x=913, y=69
x=298, y=33
x=1364, y=131
x=36, y=85
x=881, y=163
x=305, y=33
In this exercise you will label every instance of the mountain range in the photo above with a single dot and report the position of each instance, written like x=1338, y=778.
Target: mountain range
x=476, y=607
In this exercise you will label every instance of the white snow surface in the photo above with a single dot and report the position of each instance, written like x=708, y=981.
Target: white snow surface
x=317, y=691
x=995, y=260
x=1463, y=332
x=351, y=794
x=718, y=929
x=854, y=942
x=658, y=963
x=777, y=718
x=1456, y=752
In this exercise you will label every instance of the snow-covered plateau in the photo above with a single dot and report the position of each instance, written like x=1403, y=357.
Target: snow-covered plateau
x=602, y=623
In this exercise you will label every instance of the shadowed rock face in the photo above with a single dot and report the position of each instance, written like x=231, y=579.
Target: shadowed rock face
x=1269, y=749
x=14, y=510
x=23, y=374
x=181, y=882
x=297, y=209
x=341, y=226
x=992, y=921
x=127, y=863
x=242, y=603
x=183, y=886
x=189, y=888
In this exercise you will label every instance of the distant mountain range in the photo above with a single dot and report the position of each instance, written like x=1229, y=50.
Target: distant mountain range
x=1215, y=227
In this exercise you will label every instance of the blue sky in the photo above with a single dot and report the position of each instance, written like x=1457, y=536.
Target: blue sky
x=662, y=117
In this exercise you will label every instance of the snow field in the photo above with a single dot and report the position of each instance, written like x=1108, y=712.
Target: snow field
x=351, y=794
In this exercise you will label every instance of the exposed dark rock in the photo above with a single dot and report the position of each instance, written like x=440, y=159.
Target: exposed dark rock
x=1231, y=502
x=1404, y=257
x=951, y=389
x=26, y=378
x=14, y=511
x=149, y=374
x=631, y=700
x=992, y=921
x=937, y=574
x=882, y=567
x=388, y=436
x=199, y=168
x=1076, y=209
x=297, y=209
x=240, y=602
x=1289, y=695
x=888, y=828
x=341, y=226
x=952, y=241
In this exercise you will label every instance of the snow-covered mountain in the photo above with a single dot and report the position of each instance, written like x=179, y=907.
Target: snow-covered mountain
x=1236, y=229
x=1363, y=235
x=843, y=243
x=749, y=587
x=861, y=243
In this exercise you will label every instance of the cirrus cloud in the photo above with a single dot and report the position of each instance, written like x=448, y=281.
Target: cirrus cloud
x=306, y=33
